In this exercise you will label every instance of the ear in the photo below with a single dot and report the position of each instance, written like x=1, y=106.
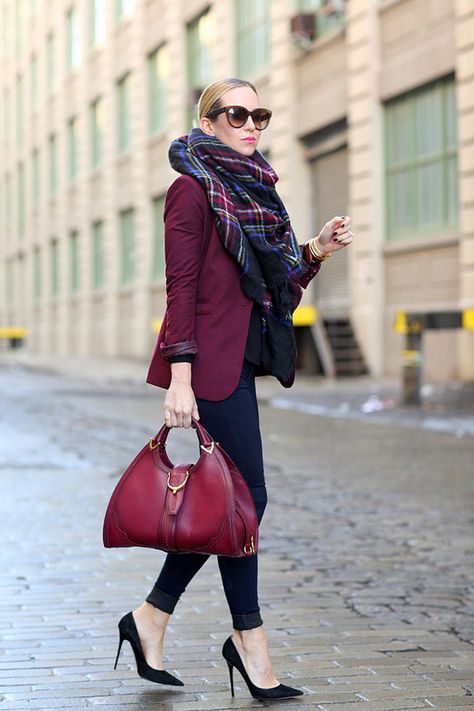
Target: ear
x=206, y=125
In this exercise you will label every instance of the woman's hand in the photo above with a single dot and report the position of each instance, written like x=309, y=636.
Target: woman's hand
x=335, y=234
x=180, y=403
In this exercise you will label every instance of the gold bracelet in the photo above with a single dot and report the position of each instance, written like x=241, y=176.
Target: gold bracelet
x=316, y=252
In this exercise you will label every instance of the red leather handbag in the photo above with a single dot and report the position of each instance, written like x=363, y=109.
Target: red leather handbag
x=204, y=507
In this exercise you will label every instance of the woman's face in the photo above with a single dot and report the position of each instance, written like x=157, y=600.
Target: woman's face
x=243, y=140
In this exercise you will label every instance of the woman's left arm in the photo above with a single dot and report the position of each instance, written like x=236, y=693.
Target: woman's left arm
x=335, y=235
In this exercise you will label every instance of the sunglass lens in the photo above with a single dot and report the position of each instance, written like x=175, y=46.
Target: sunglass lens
x=237, y=116
x=261, y=118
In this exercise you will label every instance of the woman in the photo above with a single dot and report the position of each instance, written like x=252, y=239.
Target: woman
x=234, y=273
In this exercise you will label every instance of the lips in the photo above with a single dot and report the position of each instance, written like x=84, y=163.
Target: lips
x=249, y=140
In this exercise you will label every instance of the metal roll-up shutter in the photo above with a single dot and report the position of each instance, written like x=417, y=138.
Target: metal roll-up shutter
x=330, y=198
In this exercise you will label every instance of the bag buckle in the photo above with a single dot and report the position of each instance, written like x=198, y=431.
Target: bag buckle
x=174, y=489
x=250, y=549
x=210, y=449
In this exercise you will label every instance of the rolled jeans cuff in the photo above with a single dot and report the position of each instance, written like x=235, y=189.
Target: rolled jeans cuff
x=161, y=600
x=247, y=622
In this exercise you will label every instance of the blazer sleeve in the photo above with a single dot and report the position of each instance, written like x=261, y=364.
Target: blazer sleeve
x=310, y=267
x=184, y=217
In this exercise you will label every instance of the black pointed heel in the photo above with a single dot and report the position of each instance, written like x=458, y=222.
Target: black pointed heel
x=232, y=657
x=128, y=631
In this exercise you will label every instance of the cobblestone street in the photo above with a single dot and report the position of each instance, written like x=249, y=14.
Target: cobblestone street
x=367, y=574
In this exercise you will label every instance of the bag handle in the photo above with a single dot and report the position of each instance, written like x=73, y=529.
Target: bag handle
x=205, y=440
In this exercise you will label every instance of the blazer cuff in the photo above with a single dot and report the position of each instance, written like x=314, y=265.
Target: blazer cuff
x=178, y=348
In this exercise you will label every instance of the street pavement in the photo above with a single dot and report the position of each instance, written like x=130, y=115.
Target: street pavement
x=366, y=553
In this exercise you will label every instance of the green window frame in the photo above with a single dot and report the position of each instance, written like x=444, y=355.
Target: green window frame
x=37, y=276
x=158, y=247
x=158, y=72
x=97, y=26
x=72, y=131
x=127, y=246
x=20, y=100
x=123, y=8
x=252, y=22
x=35, y=176
x=34, y=82
x=52, y=163
x=98, y=256
x=123, y=114
x=421, y=184
x=74, y=262
x=21, y=200
x=97, y=131
x=73, y=40
x=199, y=40
x=50, y=61
x=54, y=266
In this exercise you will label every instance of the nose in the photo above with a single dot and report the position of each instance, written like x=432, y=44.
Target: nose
x=251, y=125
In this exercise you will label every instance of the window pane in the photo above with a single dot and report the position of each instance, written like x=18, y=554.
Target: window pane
x=124, y=7
x=35, y=176
x=37, y=283
x=252, y=39
x=157, y=78
x=34, y=83
x=72, y=149
x=21, y=200
x=452, y=178
x=158, y=270
x=98, y=266
x=50, y=62
x=52, y=164
x=200, y=35
x=126, y=234
x=97, y=132
x=451, y=116
x=123, y=110
x=430, y=195
x=73, y=46
x=19, y=110
x=428, y=123
x=97, y=22
x=74, y=262
x=54, y=267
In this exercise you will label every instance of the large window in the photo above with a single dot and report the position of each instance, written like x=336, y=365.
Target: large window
x=253, y=35
x=200, y=35
x=97, y=127
x=127, y=246
x=123, y=114
x=52, y=167
x=72, y=149
x=421, y=160
x=158, y=259
x=97, y=10
x=74, y=258
x=73, y=40
x=157, y=77
x=98, y=253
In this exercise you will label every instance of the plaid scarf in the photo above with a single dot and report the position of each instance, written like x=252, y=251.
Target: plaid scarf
x=255, y=228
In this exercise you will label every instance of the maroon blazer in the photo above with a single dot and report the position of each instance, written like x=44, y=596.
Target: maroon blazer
x=207, y=312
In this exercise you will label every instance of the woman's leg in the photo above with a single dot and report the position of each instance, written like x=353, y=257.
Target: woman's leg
x=234, y=423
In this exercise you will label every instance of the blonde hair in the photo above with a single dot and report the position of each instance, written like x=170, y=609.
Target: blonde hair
x=213, y=93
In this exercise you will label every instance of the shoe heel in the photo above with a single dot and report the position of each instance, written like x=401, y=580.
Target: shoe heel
x=119, y=648
x=231, y=677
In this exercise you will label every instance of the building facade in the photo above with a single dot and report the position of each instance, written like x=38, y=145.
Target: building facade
x=373, y=104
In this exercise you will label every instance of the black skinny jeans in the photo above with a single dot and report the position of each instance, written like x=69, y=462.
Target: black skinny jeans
x=234, y=423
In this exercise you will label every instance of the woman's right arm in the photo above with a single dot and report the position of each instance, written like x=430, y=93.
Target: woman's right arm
x=184, y=215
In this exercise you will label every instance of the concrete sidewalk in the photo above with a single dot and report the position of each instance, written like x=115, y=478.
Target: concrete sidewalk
x=445, y=407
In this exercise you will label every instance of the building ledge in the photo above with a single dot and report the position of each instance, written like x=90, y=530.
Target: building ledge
x=410, y=244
